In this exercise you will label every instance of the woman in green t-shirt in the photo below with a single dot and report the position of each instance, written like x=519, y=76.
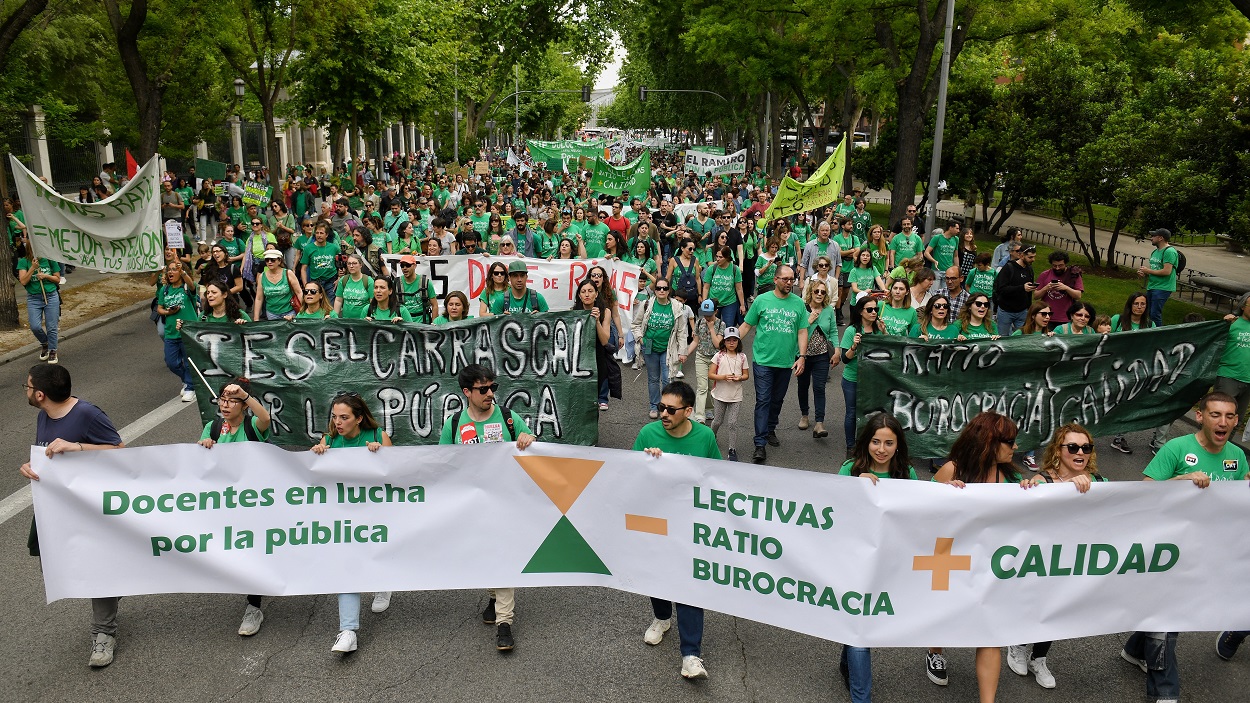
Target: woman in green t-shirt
x=175, y=302
x=865, y=319
x=974, y=319
x=898, y=315
x=1080, y=315
x=354, y=290
x=1134, y=316
x=385, y=305
x=220, y=306
x=935, y=324
x=352, y=425
x=495, y=289
x=457, y=304
x=863, y=275
x=276, y=290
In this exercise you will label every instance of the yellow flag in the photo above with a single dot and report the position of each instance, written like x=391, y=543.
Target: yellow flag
x=823, y=187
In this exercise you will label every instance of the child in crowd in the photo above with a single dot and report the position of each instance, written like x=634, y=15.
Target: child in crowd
x=1102, y=324
x=729, y=369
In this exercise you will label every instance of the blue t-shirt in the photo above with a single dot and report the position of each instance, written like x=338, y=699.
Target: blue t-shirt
x=83, y=423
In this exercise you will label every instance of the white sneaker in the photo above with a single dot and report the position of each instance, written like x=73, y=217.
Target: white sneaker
x=1041, y=674
x=681, y=374
x=345, y=642
x=1139, y=663
x=102, y=650
x=1018, y=659
x=692, y=667
x=381, y=601
x=655, y=633
x=188, y=396
x=252, y=618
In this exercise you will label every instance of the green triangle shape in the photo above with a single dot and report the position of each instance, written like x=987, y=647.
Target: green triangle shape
x=565, y=551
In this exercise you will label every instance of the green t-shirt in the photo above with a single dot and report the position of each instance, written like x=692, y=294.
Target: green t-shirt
x=951, y=331
x=492, y=429
x=388, y=315
x=13, y=229
x=548, y=244
x=862, y=278
x=301, y=315
x=1158, y=258
x=1185, y=455
x=944, y=251
x=980, y=331
x=1066, y=328
x=176, y=296
x=846, y=244
x=861, y=221
x=1235, y=363
x=850, y=369
x=442, y=320
x=480, y=223
x=355, y=295
x=1115, y=323
x=224, y=320
x=362, y=439
x=701, y=229
x=979, y=281
x=320, y=260
x=849, y=463
x=594, y=237
x=414, y=302
x=37, y=287
x=897, y=320
x=236, y=434
x=277, y=295
x=722, y=283
x=233, y=247
x=700, y=441
x=659, y=327
x=532, y=301
x=905, y=246
x=777, y=322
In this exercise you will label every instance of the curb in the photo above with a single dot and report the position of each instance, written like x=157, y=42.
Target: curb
x=87, y=326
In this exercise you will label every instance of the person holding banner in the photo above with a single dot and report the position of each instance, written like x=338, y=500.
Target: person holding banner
x=352, y=425
x=676, y=434
x=480, y=421
x=243, y=419
x=220, y=306
x=276, y=290
x=315, y=306
x=353, y=291
x=69, y=424
x=780, y=349
x=456, y=306
x=975, y=321
x=935, y=321
x=384, y=306
x=42, y=279
x=865, y=319
x=176, y=304
x=1080, y=315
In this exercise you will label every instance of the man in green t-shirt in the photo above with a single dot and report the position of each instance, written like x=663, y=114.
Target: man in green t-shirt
x=42, y=279
x=676, y=434
x=520, y=298
x=780, y=320
x=1233, y=376
x=594, y=233
x=479, y=422
x=318, y=256
x=941, y=253
x=1160, y=274
x=1201, y=457
x=905, y=244
x=419, y=300
x=236, y=425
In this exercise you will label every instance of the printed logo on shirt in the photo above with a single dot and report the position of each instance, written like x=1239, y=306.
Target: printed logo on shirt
x=1230, y=464
x=1191, y=459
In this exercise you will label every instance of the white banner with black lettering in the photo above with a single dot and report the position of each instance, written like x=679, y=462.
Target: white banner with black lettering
x=899, y=563
x=120, y=234
x=718, y=164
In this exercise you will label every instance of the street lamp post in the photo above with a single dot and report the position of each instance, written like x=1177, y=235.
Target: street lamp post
x=936, y=167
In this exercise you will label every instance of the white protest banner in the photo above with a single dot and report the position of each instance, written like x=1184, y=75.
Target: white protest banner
x=900, y=563
x=173, y=234
x=556, y=279
x=685, y=211
x=720, y=165
x=120, y=234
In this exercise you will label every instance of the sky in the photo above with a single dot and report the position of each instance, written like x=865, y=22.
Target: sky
x=611, y=72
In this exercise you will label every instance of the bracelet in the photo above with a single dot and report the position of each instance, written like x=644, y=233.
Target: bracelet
x=249, y=397
x=80, y=447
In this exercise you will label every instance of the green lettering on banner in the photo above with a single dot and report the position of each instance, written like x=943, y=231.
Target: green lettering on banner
x=406, y=373
x=257, y=194
x=1109, y=383
x=823, y=187
x=634, y=177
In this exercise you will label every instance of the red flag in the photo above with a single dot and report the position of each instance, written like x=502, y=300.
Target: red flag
x=132, y=166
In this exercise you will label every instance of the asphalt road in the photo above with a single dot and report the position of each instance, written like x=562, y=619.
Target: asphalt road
x=573, y=644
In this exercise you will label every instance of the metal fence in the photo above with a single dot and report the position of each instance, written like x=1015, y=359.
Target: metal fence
x=72, y=166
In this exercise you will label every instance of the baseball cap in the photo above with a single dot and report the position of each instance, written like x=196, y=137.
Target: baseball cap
x=732, y=332
x=708, y=307
x=407, y=259
x=1165, y=233
x=517, y=267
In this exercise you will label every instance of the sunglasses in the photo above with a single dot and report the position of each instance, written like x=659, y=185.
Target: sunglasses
x=311, y=291
x=346, y=394
x=941, y=306
x=669, y=409
x=406, y=266
x=872, y=308
x=818, y=292
x=659, y=289
x=483, y=389
x=1074, y=448
x=255, y=222
x=980, y=303
x=1044, y=313
x=1010, y=441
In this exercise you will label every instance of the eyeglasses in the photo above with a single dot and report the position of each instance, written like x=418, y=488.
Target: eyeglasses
x=484, y=389
x=1074, y=448
x=29, y=387
x=783, y=278
x=669, y=409
x=980, y=303
x=1080, y=314
x=228, y=401
x=952, y=278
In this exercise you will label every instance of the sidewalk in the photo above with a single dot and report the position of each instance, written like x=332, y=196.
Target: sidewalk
x=1212, y=260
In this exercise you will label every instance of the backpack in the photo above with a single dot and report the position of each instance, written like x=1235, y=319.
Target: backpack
x=503, y=411
x=214, y=430
x=507, y=300
x=1180, y=260
x=686, y=282
x=423, y=290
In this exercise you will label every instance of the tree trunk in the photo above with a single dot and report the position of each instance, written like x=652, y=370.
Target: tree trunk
x=852, y=108
x=8, y=290
x=15, y=23
x=273, y=155
x=147, y=92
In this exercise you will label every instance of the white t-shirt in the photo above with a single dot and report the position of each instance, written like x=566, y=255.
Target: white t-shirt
x=729, y=391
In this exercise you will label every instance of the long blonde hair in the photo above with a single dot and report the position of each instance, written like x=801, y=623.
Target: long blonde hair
x=1050, y=457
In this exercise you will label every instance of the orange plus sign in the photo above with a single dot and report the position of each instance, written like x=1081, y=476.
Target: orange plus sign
x=942, y=563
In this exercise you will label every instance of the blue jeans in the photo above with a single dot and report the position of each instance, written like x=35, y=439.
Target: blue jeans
x=858, y=663
x=1154, y=305
x=729, y=314
x=43, y=316
x=849, y=390
x=327, y=285
x=816, y=374
x=603, y=390
x=1009, y=322
x=771, y=384
x=349, y=611
x=1163, y=678
x=657, y=375
x=689, y=624
x=176, y=360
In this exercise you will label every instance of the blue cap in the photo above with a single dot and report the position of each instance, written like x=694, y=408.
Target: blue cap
x=708, y=307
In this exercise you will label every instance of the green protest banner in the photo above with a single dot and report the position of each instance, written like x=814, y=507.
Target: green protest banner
x=257, y=194
x=1109, y=383
x=719, y=150
x=205, y=168
x=634, y=177
x=406, y=373
x=823, y=187
x=564, y=150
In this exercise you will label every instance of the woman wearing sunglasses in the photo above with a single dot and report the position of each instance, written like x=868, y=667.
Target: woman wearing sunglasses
x=975, y=321
x=865, y=320
x=315, y=306
x=495, y=289
x=1069, y=458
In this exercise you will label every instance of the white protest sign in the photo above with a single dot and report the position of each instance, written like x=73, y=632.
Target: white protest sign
x=685, y=211
x=719, y=165
x=120, y=234
x=173, y=234
x=896, y=564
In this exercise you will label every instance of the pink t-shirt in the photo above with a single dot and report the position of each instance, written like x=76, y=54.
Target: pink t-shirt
x=1059, y=301
x=729, y=391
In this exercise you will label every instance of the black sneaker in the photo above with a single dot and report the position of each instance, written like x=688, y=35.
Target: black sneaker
x=935, y=667
x=733, y=455
x=760, y=455
x=1227, y=643
x=503, y=637
x=1121, y=445
x=488, y=615
x=772, y=440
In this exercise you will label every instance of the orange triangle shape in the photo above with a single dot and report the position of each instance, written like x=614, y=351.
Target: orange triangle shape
x=561, y=478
